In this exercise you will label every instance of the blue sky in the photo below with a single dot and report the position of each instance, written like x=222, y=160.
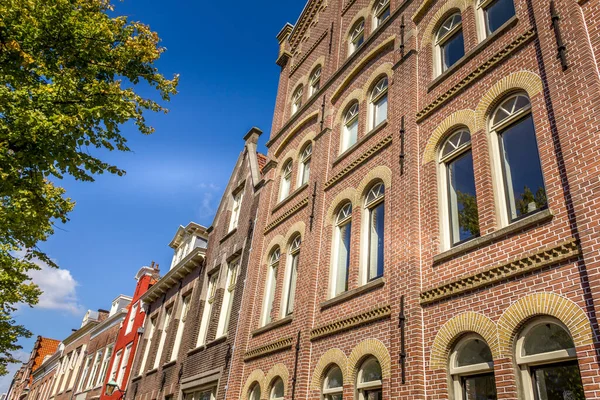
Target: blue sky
x=225, y=54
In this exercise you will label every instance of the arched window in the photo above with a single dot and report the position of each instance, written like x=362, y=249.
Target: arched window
x=333, y=384
x=472, y=370
x=523, y=188
x=495, y=13
x=304, y=171
x=450, y=42
x=460, y=218
x=357, y=36
x=271, y=285
x=277, y=392
x=297, y=99
x=374, y=230
x=369, y=380
x=286, y=180
x=381, y=12
x=546, y=356
x=315, y=81
x=350, y=129
x=291, y=276
x=341, y=264
x=379, y=103
x=254, y=393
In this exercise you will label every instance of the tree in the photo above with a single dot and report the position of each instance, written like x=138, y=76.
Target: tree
x=68, y=78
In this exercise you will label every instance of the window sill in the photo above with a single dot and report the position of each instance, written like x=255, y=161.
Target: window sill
x=474, y=244
x=476, y=50
x=137, y=378
x=152, y=371
x=273, y=325
x=207, y=345
x=169, y=364
x=228, y=235
x=289, y=198
x=356, y=145
x=351, y=294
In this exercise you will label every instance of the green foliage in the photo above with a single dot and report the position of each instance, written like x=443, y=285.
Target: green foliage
x=468, y=216
x=68, y=74
x=527, y=198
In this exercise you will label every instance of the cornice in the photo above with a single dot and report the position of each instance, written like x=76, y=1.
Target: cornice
x=273, y=347
x=293, y=210
x=351, y=322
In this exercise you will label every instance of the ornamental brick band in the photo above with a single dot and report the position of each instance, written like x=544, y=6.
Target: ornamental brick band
x=274, y=347
x=351, y=322
x=286, y=215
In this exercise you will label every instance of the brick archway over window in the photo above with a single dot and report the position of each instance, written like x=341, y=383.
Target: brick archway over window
x=348, y=194
x=438, y=18
x=382, y=173
x=366, y=348
x=256, y=376
x=330, y=357
x=459, y=118
x=278, y=371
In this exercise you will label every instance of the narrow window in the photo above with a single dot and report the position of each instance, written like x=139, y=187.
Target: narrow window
x=124, y=363
x=458, y=190
x=472, y=370
x=381, y=12
x=524, y=187
x=277, y=392
x=292, y=275
x=151, y=331
x=297, y=99
x=115, y=366
x=496, y=13
x=224, y=317
x=450, y=41
x=271, y=285
x=374, y=207
x=104, y=369
x=341, y=263
x=163, y=335
x=304, y=172
x=286, y=181
x=131, y=320
x=333, y=385
x=84, y=374
x=379, y=102
x=235, y=210
x=350, y=129
x=97, y=360
x=357, y=36
x=185, y=307
x=207, y=311
x=369, y=380
x=254, y=393
x=315, y=81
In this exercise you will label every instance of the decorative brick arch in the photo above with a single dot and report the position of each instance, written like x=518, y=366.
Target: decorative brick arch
x=297, y=228
x=358, y=95
x=320, y=61
x=278, y=370
x=523, y=80
x=309, y=137
x=349, y=194
x=463, y=117
x=312, y=116
x=436, y=20
x=366, y=348
x=331, y=356
x=545, y=303
x=278, y=240
x=383, y=69
x=301, y=81
x=364, y=13
x=258, y=377
x=454, y=328
x=381, y=173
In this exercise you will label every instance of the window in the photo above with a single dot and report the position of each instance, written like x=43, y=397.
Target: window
x=163, y=335
x=286, y=180
x=207, y=394
x=104, y=369
x=254, y=393
x=357, y=36
x=150, y=335
x=333, y=385
x=235, y=210
x=271, y=285
x=84, y=374
x=460, y=218
x=315, y=81
x=381, y=12
x=115, y=367
x=350, y=129
x=304, y=172
x=472, y=370
x=277, y=392
x=375, y=212
x=95, y=367
x=548, y=362
x=369, y=380
x=123, y=368
x=132, y=315
x=291, y=272
x=341, y=263
x=185, y=308
x=379, y=103
x=75, y=365
x=297, y=99
x=450, y=42
x=524, y=189
x=496, y=13
x=224, y=317
x=210, y=299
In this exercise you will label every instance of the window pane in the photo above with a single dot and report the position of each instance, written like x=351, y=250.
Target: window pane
x=479, y=387
x=334, y=397
x=558, y=382
x=376, y=241
x=453, y=50
x=371, y=371
x=277, y=389
x=334, y=378
x=548, y=337
x=255, y=393
x=271, y=293
x=497, y=13
x=306, y=172
x=523, y=173
x=381, y=110
x=343, y=261
x=351, y=134
x=474, y=352
x=373, y=394
x=292, y=289
x=464, y=217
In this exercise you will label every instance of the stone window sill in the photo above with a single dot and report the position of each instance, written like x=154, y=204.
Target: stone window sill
x=351, y=294
x=356, y=145
x=207, y=345
x=169, y=364
x=228, y=235
x=152, y=371
x=289, y=198
x=273, y=325
x=137, y=378
x=474, y=244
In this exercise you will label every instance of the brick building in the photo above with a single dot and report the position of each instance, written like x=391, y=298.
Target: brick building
x=43, y=377
x=429, y=218
x=192, y=311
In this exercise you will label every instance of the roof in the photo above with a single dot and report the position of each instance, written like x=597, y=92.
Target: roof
x=262, y=161
x=47, y=347
x=191, y=228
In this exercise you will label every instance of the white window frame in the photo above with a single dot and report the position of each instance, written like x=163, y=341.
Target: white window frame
x=457, y=373
x=291, y=258
x=211, y=293
x=481, y=20
x=373, y=199
x=272, y=391
x=123, y=366
x=132, y=315
x=297, y=99
x=304, y=169
x=235, y=210
x=378, y=93
x=270, y=286
x=151, y=331
x=104, y=366
x=356, y=37
x=286, y=180
x=361, y=387
x=183, y=313
x=343, y=217
x=86, y=370
x=228, y=296
x=166, y=322
x=252, y=393
x=315, y=80
x=95, y=369
x=442, y=39
x=328, y=393
x=381, y=12
x=351, y=117
x=114, y=369
x=195, y=394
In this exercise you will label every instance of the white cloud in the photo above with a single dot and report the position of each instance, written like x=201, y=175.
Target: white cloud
x=59, y=289
x=12, y=368
x=208, y=205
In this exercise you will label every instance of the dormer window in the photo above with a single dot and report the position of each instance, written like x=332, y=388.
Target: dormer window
x=357, y=36
x=381, y=12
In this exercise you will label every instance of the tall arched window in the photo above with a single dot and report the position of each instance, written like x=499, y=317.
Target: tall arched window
x=304, y=171
x=350, y=129
x=450, y=42
x=277, y=391
x=460, y=218
x=548, y=362
x=369, y=380
x=379, y=103
x=523, y=188
x=286, y=180
x=374, y=230
x=315, y=81
x=381, y=12
x=297, y=99
x=291, y=276
x=333, y=384
x=341, y=264
x=472, y=370
x=271, y=285
x=495, y=13
x=357, y=36
x=254, y=393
